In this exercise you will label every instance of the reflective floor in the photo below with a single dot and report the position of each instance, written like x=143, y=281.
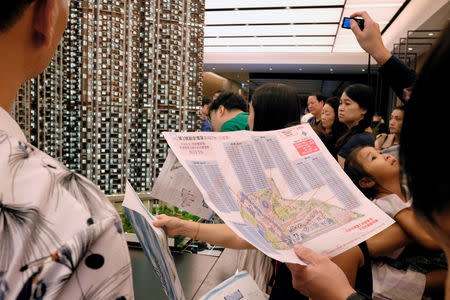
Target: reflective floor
x=198, y=273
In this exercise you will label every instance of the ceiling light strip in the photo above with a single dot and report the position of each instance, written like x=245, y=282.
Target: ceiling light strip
x=271, y=30
x=219, y=4
x=267, y=49
x=284, y=16
x=269, y=41
x=273, y=8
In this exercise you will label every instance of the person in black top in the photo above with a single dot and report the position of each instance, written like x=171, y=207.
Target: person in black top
x=355, y=111
x=427, y=175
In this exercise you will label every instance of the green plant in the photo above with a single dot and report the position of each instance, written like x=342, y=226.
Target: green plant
x=127, y=227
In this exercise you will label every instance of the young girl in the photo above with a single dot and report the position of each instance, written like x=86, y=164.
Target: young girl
x=409, y=271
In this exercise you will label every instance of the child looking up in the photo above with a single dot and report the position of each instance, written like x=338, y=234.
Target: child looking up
x=422, y=265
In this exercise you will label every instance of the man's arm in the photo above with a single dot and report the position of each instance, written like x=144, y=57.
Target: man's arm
x=394, y=71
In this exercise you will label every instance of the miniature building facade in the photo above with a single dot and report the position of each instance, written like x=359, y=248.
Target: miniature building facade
x=124, y=72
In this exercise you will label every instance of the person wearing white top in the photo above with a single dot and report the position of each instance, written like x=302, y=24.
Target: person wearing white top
x=60, y=237
x=378, y=176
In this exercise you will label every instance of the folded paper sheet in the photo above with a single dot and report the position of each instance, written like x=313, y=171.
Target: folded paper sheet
x=175, y=186
x=278, y=188
x=154, y=242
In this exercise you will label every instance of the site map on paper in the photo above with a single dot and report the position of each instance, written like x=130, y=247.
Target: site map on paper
x=285, y=222
x=279, y=188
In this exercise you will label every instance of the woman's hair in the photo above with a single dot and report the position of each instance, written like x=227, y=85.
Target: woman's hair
x=275, y=105
x=365, y=97
x=230, y=101
x=423, y=150
x=399, y=107
x=338, y=128
x=356, y=172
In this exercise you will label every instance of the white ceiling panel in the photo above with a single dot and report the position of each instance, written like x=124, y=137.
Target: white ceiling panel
x=231, y=4
x=270, y=41
x=273, y=16
x=269, y=49
x=271, y=30
x=288, y=25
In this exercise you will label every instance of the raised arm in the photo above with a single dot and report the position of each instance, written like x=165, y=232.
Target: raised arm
x=216, y=234
x=393, y=70
x=370, y=38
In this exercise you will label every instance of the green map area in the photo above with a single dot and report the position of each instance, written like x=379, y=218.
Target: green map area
x=285, y=222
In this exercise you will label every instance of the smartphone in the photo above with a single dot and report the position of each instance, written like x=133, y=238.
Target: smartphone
x=346, y=23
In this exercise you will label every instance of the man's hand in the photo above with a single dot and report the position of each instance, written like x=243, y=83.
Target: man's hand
x=370, y=38
x=321, y=278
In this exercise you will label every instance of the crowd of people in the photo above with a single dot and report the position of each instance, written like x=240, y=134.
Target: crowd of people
x=61, y=238
x=402, y=262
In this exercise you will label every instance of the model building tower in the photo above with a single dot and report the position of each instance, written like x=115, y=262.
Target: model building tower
x=125, y=72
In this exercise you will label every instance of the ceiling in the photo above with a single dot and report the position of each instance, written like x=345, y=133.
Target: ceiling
x=288, y=25
x=304, y=36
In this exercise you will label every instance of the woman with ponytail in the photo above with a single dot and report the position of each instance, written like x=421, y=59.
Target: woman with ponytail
x=355, y=112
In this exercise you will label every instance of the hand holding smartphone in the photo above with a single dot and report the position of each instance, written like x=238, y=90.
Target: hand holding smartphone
x=346, y=23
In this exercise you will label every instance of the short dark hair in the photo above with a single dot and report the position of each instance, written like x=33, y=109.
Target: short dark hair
x=423, y=150
x=319, y=96
x=276, y=106
x=206, y=101
x=11, y=12
x=230, y=101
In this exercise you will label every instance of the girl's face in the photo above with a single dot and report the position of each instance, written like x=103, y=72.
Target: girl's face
x=328, y=116
x=381, y=167
x=349, y=112
x=251, y=117
x=396, y=121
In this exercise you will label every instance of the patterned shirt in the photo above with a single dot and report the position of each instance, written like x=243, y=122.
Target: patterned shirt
x=60, y=237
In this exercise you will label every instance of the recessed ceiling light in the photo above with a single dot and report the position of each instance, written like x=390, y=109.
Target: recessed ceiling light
x=363, y=70
x=410, y=49
x=431, y=34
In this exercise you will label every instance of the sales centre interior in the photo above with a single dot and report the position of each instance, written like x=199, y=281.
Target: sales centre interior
x=201, y=66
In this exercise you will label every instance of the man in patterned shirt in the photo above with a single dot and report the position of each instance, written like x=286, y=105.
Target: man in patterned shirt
x=60, y=237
